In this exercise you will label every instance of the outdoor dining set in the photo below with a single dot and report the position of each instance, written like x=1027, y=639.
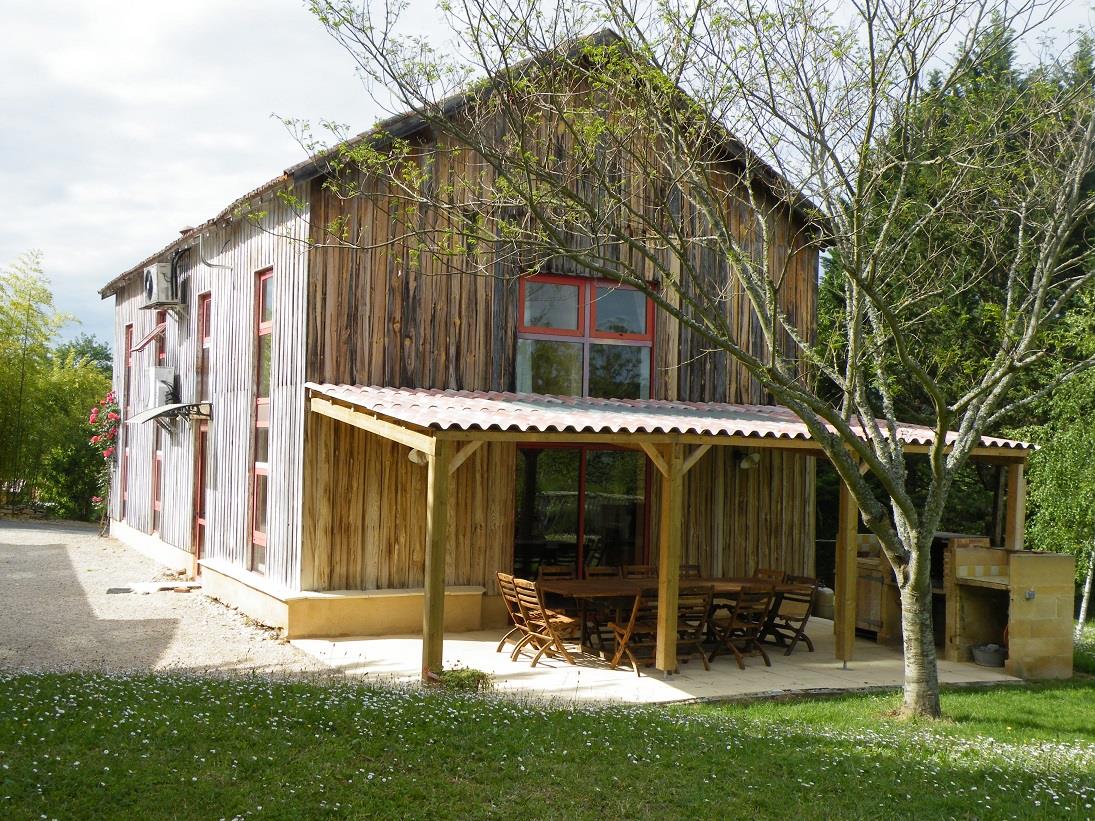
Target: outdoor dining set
x=613, y=613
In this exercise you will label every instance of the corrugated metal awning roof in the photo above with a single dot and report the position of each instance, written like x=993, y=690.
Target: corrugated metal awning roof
x=467, y=411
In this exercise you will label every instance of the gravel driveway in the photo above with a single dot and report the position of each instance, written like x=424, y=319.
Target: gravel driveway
x=56, y=611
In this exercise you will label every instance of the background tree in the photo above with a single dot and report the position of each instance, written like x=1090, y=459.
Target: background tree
x=46, y=389
x=657, y=175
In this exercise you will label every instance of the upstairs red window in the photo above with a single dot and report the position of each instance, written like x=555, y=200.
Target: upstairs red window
x=584, y=337
x=128, y=351
x=205, y=346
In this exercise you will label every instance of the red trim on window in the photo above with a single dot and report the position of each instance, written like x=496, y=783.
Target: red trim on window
x=261, y=420
x=157, y=479
x=127, y=402
x=595, y=334
x=204, y=364
x=553, y=279
x=201, y=456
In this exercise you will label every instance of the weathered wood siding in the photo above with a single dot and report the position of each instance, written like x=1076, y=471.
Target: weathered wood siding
x=235, y=253
x=380, y=316
x=369, y=499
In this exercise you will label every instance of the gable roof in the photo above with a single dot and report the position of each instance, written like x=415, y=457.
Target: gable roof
x=410, y=122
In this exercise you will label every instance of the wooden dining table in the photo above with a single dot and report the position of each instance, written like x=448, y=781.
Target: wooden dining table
x=609, y=587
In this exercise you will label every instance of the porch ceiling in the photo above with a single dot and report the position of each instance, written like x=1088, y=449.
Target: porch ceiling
x=471, y=415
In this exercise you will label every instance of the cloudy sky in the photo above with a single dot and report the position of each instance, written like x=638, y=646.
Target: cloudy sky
x=125, y=121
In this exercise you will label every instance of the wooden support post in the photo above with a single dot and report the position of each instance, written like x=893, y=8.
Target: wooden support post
x=671, y=525
x=846, y=575
x=438, y=483
x=1015, y=523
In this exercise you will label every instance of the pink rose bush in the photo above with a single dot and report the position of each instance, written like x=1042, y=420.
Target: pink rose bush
x=104, y=419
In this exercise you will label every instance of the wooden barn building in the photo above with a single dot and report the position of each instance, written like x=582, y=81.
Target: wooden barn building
x=343, y=443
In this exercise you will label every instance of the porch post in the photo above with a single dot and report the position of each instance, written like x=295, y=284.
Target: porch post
x=846, y=575
x=438, y=483
x=1015, y=521
x=670, y=526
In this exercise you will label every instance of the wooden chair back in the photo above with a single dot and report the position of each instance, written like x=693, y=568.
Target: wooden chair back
x=602, y=572
x=690, y=571
x=640, y=571
x=517, y=633
x=544, y=627
x=557, y=571
x=740, y=631
x=693, y=610
x=636, y=638
x=788, y=626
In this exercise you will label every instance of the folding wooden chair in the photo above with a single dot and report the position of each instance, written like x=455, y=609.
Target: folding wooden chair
x=795, y=607
x=739, y=631
x=557, y=571
x=560, y=604
x=693, y=611
x=690, y=571
x=545, y=628
x=640, y=571
x=517, y=633
x=638, y=633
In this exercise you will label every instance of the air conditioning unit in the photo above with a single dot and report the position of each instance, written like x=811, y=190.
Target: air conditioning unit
x=159, y=286
x=161, y=386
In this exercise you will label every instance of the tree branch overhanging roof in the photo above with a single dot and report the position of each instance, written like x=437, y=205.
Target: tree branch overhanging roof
x=411, y=122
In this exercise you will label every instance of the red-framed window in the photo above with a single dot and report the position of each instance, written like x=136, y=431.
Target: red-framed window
x=157, y=478
x=201, y=472
x=205, y=345
x=260, y=474
x=161, y=344
x=127, y=379
x=124, y=480
x=584, y=337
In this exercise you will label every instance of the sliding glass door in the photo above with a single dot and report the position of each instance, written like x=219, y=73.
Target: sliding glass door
x=579, y=507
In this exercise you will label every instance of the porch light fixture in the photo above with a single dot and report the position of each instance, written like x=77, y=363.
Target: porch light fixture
x=418, y=457
x=749, y=460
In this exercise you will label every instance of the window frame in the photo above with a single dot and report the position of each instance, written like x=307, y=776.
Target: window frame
x=161, y=341
x=587, y=335
x=204, y=365
x=127, y=379
x=261, y=419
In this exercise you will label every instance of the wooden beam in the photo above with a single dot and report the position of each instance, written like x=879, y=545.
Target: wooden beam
x=438, y=485
x=846, y=575
x=1016, y=516
x=670, y=528
x=396, y=433
x=693, y=457
x=655, y=457
x=462, y=455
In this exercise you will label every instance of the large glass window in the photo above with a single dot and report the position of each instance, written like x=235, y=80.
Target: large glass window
x=581, y=337
x=579, y=507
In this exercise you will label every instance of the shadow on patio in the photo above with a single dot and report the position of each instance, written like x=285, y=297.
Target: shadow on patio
x=398, y=659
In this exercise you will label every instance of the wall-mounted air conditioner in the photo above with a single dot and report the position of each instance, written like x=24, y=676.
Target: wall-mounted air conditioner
x=161, y=387
x=159, y=286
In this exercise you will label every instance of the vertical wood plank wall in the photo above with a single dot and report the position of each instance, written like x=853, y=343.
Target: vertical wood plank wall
x=377, y=319
x=243, y=248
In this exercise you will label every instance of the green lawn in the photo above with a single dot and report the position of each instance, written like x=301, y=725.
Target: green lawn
x=98, y=746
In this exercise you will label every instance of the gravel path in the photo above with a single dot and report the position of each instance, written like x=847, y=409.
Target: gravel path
x=57, y=612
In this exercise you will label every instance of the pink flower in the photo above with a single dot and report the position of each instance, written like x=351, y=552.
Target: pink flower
x=113, y=417
x=96, y=500
x=94, y=440
x=110, y=434
x=108, y=452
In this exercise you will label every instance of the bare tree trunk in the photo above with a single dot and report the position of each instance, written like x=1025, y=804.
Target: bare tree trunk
x=1086, y=599
x=921, y=671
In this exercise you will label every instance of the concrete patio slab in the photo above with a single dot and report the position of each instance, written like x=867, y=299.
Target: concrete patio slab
x=397, y=659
